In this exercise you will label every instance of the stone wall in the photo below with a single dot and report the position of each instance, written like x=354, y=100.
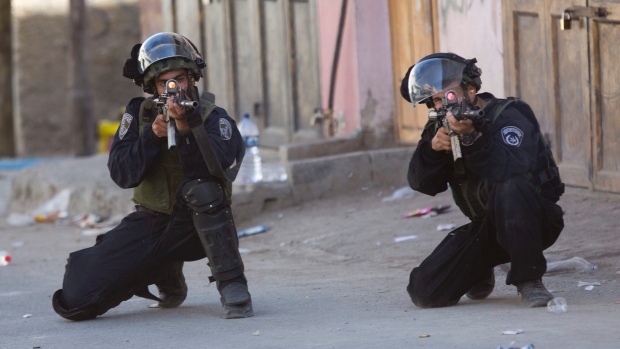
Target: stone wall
x=41, y=49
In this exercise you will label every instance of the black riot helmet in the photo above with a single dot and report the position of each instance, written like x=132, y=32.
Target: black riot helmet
x=436, y=73
x=160, y=53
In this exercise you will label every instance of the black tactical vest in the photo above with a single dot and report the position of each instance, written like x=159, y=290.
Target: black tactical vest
x=472, y=194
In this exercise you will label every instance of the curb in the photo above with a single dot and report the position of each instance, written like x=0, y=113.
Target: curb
x=92, y=190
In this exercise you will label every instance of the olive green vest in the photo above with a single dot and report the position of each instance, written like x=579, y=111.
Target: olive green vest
x=157, y=190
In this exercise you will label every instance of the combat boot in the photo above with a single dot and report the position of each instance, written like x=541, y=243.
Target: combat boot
x=171, y=285
x=534, y=293
x=236, y=301
x=484, y=288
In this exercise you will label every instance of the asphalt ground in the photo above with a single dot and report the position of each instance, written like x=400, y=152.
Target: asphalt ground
x=327, y=274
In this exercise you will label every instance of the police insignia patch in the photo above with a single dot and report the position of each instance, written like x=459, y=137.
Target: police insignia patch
x=512, y=136
x=225, y=129
x=125, y=123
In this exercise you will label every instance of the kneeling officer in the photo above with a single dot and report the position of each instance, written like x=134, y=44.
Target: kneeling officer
x=182, y=194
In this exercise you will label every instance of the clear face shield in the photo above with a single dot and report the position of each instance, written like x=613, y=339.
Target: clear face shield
x=433, y=76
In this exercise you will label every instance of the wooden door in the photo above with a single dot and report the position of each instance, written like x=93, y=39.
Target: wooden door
x=604, y=50
x=564, y=76
x=262, y=59
x=275, y=106
x=414, y=35
x=246, y=63
x=305, y=69
x=568, y=96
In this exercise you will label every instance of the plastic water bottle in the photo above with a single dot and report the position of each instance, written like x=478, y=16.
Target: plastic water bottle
x=5, y=258
x=575, y=263
x=251, y=167
x=557, y=305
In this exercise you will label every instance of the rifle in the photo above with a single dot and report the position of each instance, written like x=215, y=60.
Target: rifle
x=460, y=112
x=172, y=90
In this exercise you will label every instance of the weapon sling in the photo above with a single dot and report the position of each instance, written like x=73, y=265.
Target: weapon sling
x=207, y=100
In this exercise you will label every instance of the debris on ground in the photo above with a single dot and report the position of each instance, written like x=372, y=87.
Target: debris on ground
x=405, y=238
x=512, y=331
x=557, y=305
x=450, y=226
x=50, y=211
x=87, y=220
x=56, y=207
x=252, y=231
x=575, y=263
x=427, y=212
x=5, y=258
x=527, y=346
x=399, y=194
x=584, y=283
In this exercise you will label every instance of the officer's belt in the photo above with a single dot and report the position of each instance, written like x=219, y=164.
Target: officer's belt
x=141, y=208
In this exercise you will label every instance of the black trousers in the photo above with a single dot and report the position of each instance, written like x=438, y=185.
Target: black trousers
x=126, y=259
x=519, y=224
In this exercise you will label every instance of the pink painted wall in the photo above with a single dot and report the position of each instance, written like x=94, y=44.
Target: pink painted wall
x=364, y=98
x=474, y=29
x=374, y=55
x=346, y=97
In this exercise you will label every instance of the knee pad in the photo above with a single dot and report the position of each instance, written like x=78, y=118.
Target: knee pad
x=203, y=196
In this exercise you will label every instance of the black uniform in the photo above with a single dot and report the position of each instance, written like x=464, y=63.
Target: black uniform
x=132, y=156
x=501, y=184
x=126, y=260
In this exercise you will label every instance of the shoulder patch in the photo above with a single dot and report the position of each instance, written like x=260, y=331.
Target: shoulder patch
x=225, y=129
x=512, y=136
x=125, y=123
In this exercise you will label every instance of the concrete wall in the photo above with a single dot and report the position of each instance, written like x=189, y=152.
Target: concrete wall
x=473, y=28
x=40, y=58
x=363, y=100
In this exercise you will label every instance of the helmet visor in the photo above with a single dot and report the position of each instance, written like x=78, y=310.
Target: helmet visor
x=433, y=76
x=163, y=46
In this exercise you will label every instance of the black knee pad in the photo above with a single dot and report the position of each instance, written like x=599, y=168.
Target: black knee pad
x=204, y=196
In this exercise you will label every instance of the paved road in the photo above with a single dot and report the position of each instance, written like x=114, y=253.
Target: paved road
x=327, y=274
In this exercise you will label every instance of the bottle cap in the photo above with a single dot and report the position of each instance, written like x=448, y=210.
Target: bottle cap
x=5, y=259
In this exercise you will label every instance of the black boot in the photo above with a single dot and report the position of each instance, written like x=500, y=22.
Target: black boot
x=171, y=285
x=484, y=288
x=534, y=293
x=236, y=299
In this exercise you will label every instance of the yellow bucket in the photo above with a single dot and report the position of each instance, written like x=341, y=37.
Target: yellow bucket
x=107, y=130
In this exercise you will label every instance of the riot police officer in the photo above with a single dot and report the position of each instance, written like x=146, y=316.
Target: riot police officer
x=182, y=204
x=503, y=178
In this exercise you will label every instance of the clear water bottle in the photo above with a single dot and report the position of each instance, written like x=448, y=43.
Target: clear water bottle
x=575, y=263
x=5, y=258
x=251, y=167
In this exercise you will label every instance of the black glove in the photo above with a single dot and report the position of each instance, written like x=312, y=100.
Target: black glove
x=194, y=117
